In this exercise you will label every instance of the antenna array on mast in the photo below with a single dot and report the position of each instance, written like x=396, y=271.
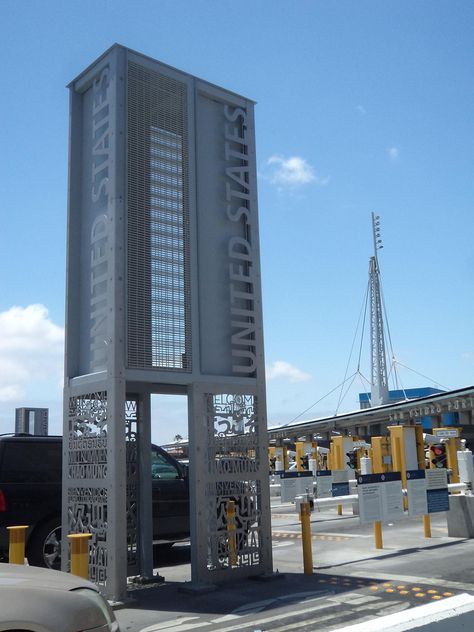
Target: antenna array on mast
x=379, y=382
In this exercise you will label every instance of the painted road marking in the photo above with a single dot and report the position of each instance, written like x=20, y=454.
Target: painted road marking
x=176, y=625
x=365, y=599
x=317, y=536
x=360, y=600
x=279, y=545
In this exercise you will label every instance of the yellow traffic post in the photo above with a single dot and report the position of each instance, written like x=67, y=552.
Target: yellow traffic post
x=453, y=444
x=427, y=526
x=420, y=451
x=381, y=462
x=16, y=550
x=420, y=447
x=305, y=512
x=281, y=454
x=271, y=458
x=381, y=457
x=405, y=452
x=231, y=537
x=80, y=554
x=299, y=449
x=378, y=534
x=337, y=459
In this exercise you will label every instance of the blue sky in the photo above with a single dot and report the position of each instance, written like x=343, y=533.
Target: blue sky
x=362, y=106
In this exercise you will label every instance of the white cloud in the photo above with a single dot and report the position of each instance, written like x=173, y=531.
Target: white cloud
x=293, y=171
x=393, y=153
x=282, y=369
x=31, y=351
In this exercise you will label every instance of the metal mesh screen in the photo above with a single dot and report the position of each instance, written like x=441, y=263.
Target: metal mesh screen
x=159, y=334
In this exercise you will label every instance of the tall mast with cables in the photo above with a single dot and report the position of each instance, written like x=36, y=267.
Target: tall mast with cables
x=379, y=382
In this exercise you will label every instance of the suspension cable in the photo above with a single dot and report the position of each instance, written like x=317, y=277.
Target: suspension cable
x=347, y=390
x=315, y=403
x=363, y=309
x=363, y=324
x=425, y=376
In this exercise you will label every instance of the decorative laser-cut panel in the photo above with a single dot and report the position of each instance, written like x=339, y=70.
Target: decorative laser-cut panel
x=233, y=472
x=131, y=434
x=87, y=437
x=87, y=513
x=87, y=462
x=87, y=506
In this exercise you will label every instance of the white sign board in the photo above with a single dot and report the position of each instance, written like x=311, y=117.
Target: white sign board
x=370, y=501
x=444, y=433
x=324, y=481
x=294, y=484
x=416, y=490
x=436, y=478
x=380, y=497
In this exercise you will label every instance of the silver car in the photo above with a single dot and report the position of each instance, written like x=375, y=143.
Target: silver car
x=42, y=600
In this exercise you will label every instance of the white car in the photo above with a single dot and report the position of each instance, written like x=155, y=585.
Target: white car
x=42, y=600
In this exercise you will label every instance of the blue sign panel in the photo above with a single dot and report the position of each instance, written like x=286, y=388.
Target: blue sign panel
x=295, y=474
x=340, y=489
x=415, y=474
x=386, y=477
x=438, y=500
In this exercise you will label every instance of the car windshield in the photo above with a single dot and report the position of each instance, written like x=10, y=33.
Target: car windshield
x=162, y=468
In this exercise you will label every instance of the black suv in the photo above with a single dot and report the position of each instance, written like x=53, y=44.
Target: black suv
x=30, y=494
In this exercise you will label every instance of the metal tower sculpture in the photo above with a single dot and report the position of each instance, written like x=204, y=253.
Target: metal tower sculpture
x=379, y=381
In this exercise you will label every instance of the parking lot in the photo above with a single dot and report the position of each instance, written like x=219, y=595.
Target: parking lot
x=352, y=580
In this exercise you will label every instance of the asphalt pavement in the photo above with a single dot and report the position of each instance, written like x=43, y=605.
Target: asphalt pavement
x=352, y=581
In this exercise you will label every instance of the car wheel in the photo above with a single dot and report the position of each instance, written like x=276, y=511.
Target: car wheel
x=44, y=547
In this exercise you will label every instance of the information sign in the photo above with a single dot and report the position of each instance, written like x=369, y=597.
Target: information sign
x=416, y=490
x=392, y=497
x=445, y=433
x=380, y=497
x=294, y=484
x=324, y=481
x=437, y=490
x=370, y=498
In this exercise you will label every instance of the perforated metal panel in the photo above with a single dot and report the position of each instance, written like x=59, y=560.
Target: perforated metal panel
x=158, y=310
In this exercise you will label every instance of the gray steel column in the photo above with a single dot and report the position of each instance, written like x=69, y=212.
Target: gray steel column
x=116, y=585
x=145, y=517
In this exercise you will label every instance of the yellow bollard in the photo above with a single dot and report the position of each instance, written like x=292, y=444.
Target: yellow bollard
x=339, y=510
x=427, y=525
x=16, y=551
x=305, y=512
x=378, y=534
x=80, y=554
x=231, y=533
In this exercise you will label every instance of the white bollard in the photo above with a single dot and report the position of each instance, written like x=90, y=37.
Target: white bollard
x=365, y=465
x=279, y=465
x=466, y=467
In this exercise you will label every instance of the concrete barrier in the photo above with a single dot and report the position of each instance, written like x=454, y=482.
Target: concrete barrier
x=460, y=517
